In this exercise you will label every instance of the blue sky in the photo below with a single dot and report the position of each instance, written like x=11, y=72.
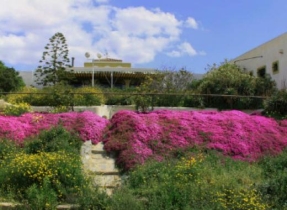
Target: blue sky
x=154, y=34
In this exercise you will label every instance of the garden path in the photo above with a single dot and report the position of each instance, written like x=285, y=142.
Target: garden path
x=100, y=166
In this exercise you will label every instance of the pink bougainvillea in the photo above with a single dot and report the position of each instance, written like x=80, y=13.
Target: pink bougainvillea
x=87, y=124
x=137, y=137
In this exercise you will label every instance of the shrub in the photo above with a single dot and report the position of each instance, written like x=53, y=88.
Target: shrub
x=62, y=169
x=276, y=105
x=54, y=140
x=160, y=89
x=42, y=197
x=9, y=79
x=60, y=109
x=88, y=96
x=7, y=148
x=59, y=95
x=17, y=109
x=119, y=96
x=88, y=125
x=275, y=184
x=46, y=171
x=197, y=181
x=135, y=137
x=25, y=95
x=229, y=79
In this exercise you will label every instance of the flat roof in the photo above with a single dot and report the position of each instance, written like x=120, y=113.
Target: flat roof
x=111, y=69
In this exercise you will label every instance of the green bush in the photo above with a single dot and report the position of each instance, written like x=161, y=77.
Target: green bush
x=54, y=140
x=275, y=184
x=7, y=148
x=59, y=95
x=119, y=96
x=229, y=79
x=42, y=197
x=88, y=96
x=276, y=105
x=17, y=109
x=46, y=171
x=62, y=169
x=197, y=181
x=25, y=95
x=164, y=88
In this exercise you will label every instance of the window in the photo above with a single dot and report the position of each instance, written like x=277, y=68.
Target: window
x=261, y=72
x=275, y=67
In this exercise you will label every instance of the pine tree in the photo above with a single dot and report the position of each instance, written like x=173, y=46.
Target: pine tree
x=54, y=62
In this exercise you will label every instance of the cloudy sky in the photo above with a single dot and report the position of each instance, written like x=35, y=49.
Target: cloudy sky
x=147, y=33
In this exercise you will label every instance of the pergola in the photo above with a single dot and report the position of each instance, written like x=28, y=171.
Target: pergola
x=111, y=75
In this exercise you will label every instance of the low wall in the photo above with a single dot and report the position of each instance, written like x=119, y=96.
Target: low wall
x=109, y=110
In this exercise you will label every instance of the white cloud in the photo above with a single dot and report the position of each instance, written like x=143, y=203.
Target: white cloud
x=183, y=49
x=191, y=22
x=134, y=34
x=102, y=1
x=186, y=48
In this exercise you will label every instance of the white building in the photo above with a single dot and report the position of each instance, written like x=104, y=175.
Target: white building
x=268, y=58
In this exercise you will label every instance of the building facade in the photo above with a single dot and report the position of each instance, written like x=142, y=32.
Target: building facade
x=105, y=72
x=109, y=72
x=268, y=58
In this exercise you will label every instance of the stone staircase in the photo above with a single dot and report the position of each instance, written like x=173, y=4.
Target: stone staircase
x=100, y=166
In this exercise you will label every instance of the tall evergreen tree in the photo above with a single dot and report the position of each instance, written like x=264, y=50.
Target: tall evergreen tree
x=54, y=62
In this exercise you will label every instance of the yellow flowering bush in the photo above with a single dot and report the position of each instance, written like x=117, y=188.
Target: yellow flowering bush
x=243, y=199
x=186, y=168
x=17, y=109
x=198, y=180
x=88, y=96
x=26, y=94
x=63, y=170
x=60, y=109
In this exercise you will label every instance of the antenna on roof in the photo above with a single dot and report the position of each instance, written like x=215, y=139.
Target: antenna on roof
x=87, y=55
x=106, y=54
x=99, y=55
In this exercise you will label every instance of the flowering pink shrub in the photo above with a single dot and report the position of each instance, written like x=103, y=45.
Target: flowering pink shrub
x=87, y=124
x=137, y=137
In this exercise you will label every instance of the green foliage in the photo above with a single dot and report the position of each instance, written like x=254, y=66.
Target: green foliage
x=7, y=148
x=9, y=79
x=229, y=79
x=88, y=96
x=119, y=96
x=93, y=198
x=274, y=187
x=54, y=140
x=276, y=105
x=62, y=169
x=17, y=109
x=160, y=89
x=60, y=96
x=124, y=199
x=46, y=171
x=42, y=197
x=197, y=181
x=54, y=62
x=25, y=95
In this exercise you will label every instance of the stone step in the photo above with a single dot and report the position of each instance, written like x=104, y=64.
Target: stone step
x=100, y=166
x=107, y=181
x=106, y=165
x=98, y=147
